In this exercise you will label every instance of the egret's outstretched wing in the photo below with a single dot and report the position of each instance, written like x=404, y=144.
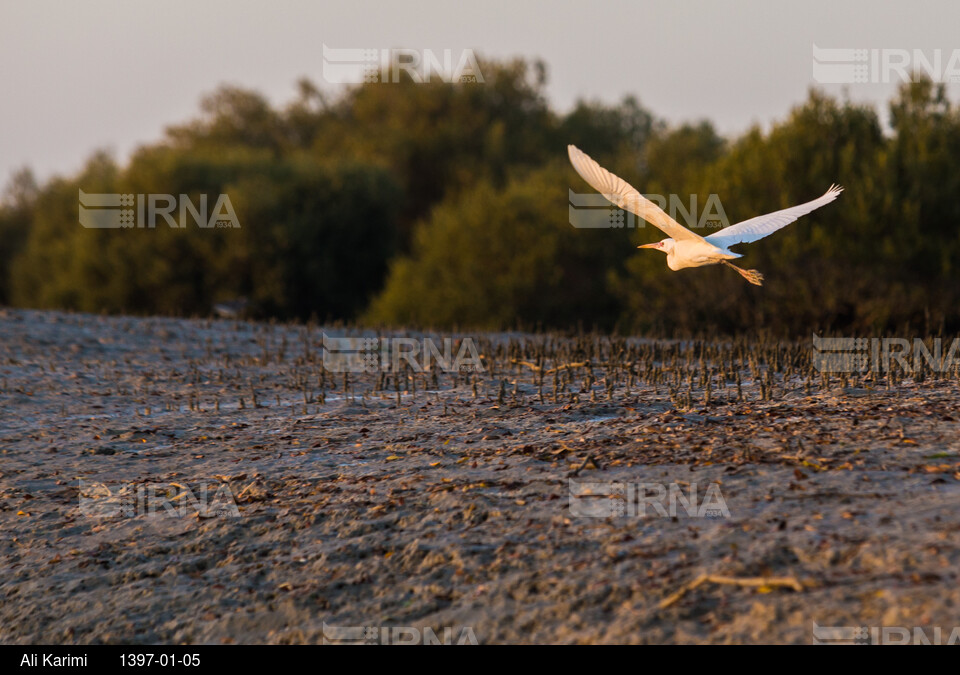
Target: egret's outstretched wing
x=621, y=193
x=761, y=226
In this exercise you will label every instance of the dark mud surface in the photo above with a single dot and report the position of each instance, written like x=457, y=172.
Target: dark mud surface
x=434, y=500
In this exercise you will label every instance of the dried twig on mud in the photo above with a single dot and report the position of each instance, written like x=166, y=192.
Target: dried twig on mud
x=758, y=582
x=586, y=462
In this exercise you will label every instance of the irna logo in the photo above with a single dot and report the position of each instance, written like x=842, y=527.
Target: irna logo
x=115, y=210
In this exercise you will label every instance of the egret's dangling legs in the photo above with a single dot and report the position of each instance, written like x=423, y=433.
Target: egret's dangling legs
x=753, y=276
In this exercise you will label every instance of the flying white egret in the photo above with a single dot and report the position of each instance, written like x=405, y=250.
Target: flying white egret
x=683, y=247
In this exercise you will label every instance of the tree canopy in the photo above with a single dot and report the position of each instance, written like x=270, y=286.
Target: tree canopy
x=447, y=204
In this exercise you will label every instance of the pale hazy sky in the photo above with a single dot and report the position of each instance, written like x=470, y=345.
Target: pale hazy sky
x=78, y=76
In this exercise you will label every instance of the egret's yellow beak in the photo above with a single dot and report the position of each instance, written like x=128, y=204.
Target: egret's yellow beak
x=655, y=244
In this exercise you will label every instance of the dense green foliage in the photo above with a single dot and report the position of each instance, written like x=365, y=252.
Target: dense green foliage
x=447, y=205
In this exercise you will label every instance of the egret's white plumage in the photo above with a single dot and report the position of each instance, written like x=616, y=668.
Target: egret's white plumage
x=683, y=247
x=757, y=228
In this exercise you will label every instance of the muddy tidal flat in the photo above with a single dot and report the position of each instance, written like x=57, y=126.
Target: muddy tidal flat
x=211, y=481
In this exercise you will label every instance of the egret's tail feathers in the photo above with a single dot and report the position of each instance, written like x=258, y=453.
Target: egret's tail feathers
x=753, y=276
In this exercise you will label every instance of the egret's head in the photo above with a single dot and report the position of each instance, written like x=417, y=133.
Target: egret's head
x=665, y=245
